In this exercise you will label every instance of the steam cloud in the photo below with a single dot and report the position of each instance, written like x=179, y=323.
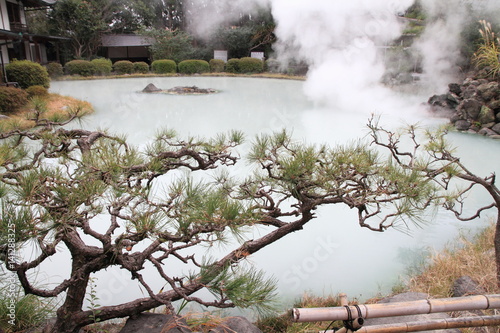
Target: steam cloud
x=342, y=42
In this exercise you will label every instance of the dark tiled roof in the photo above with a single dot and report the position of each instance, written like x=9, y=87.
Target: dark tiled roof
x=37, y=3
x=125, y=40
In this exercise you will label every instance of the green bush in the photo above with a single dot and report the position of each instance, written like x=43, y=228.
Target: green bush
x=233, y=65
x=164, y=66
x=54, y=69
x=12, y=99
x=102, y=66
x=79, y=67
x=123, y=67
x=141, y=67
x=194, y=66
x=217, y=65
x=251, y=65
x=27, y=73
x=37, y=91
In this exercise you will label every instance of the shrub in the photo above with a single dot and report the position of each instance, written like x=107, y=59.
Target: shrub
x=194, y=66
x=488, y=53
x=164, y=66
x=233, y=65
x=27, y=73
x=217, y=65
x=123, y=67
x=37, y=91
x=102, y=66
x=141, y=67
x=251, y=65
x=79, y=67
x=12, y=99
x=54, y=69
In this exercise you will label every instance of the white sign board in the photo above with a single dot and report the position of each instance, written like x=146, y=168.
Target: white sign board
x=257, y=55
x=220, y=54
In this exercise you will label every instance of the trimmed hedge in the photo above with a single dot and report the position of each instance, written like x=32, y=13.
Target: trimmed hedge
x=233, y=65
x=54, y=69
x=79, y=67
x=251, y=65
x=37, y=91
x=123, y=67
x=27, y=74
x=217, y=65
x=164, y=66
x=141, y=67
x=102, y=66
x=12, y=99
x=194, y=66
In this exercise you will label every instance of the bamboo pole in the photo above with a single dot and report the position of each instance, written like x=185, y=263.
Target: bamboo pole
x=440, y=324
x=468, y=303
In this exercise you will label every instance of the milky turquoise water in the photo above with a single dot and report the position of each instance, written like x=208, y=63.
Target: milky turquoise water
x=332, y=254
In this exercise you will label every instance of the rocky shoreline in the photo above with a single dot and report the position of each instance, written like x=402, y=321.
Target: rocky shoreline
x=472, y=106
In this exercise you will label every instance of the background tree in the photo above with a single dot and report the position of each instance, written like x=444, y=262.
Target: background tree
x=82, y=22
x=55, y=182
x=175, y=45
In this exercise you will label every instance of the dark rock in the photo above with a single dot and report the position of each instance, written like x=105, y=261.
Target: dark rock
x=151, y=88
x=486, y=132
x=446, y=101
x=191, y=90
x=155, y=323
x=455, y=88
x=496, y=128
x=464, y=286
x=495, y=105
x=462, y=125
x=469, y=92
x=486, y=115
x=405, y=297
x=236, y=324
x=470, y=108
x=489, y=91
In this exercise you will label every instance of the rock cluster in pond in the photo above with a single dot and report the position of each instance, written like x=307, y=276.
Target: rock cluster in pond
x=193, y=90
x=473, y=106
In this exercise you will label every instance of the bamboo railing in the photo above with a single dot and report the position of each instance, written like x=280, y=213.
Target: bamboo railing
x=426, y=306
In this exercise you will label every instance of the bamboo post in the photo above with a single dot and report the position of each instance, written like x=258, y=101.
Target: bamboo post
x=468, y=303
x=433, y=325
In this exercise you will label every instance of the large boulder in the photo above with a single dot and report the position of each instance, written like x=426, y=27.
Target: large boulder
x=405, y=297
x=155, y=323
x=151, y=88
x=236, y=324
x=489, y=91
x=470, y=108
x=496, y=128
x=486, y=115
x=465, y=286
x=462, y=125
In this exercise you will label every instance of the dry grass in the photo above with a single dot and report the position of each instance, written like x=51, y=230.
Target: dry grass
x=473, y=257
x=57, y=108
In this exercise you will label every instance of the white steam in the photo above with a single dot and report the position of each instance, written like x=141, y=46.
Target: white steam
x=341, y=42
x=205, y=16
x=440, y=44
